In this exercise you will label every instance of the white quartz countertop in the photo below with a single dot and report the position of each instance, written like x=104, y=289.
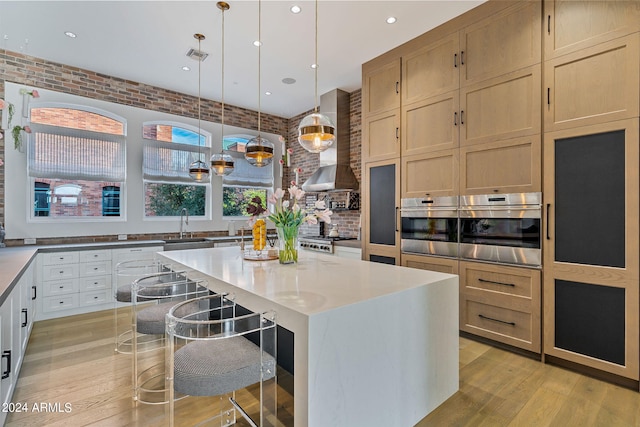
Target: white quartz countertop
x=318, y=283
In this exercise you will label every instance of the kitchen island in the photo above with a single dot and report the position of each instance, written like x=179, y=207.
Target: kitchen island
x=374, y=344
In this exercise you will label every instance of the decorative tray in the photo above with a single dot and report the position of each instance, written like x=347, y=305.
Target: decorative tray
x=252, y=255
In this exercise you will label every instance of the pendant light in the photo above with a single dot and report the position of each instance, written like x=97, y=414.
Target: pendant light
x=316, y=132
x=198, y=170
x=222, y=164
x=259, y=151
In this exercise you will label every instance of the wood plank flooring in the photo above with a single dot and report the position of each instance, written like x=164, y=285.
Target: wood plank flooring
x=72, y=360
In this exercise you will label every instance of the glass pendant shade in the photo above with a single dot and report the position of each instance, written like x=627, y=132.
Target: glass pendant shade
x=259, y=152
x=221, y=164
x=316, y=133
x=198, y=171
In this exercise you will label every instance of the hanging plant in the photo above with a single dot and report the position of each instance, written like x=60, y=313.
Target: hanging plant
x=12, y=110
x=16, y=131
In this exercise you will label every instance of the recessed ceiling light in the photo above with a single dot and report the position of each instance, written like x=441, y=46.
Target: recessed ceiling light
x=257, y=43
x=288, y=80
x=70, y=34
x=185, y=68
x=295, y=9
x=391, y=20
x=267, y=93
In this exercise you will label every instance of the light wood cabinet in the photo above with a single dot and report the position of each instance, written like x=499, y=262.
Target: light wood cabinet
x=382, y=135
x=571, y=25
x=503, y=42
x=501, y=108
x=381, y=88
x=431, y=70
x=594, y=85
x=434, y=174
x=431, y=124
x=591, y=249
x=511, y=166
x=431, y=263
x=381, y=226
x=501, y=303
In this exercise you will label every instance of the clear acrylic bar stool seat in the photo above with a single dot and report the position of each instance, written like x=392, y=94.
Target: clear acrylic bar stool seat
x=152, y=297
x=126, y=273
x=211, y=351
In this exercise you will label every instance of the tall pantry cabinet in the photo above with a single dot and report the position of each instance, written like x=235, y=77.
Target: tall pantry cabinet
x=591, y=177
x=459, y=88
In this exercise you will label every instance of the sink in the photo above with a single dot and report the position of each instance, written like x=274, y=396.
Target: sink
x=192, y=243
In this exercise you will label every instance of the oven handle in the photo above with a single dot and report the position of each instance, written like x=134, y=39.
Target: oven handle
x=481, y=208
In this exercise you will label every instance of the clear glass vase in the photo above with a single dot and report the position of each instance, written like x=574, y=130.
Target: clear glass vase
x=287, y=244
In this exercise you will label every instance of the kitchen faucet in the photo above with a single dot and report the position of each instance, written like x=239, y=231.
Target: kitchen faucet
x=184, y=217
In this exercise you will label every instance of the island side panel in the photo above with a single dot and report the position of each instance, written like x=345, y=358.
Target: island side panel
x=388, y=361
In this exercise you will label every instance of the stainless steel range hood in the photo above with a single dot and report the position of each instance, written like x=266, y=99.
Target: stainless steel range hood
x=335, y=172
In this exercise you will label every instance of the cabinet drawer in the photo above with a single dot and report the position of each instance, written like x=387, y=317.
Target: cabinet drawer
x=499, y=323
x=59, y=258
x=95, y=268
x=478, y=278
x=63, y=302
x=140, y=253
x=94, y=298
x=59, y=272
x=94, y=283
x=92, y=256
x=60, y=287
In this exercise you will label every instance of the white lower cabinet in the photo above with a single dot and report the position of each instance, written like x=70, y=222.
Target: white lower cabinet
x=16, y=319
x=82, y=281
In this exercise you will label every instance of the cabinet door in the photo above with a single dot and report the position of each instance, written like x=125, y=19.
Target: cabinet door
x=7, y=362
x=501, y=43
x=594, y=85
x=381, y=88
x=501, y=108
x=591, y=246
x=511, y=166
x=571, y=25
x=381, y=212
x=433, y=174
x=381, y=136
x=432, y=70
x=431, y=263
x=431, y=124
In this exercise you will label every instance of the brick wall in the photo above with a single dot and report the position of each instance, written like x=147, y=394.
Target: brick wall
x=32, y=71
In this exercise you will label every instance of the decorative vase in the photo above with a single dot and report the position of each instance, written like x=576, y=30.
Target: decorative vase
x=287, y=244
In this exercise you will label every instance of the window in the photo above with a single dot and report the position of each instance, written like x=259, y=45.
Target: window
x=73, y=153
x=246, y=181
x=169, y=149
x=110, y=200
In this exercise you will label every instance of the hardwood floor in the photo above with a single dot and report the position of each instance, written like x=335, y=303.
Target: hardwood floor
x=72, y=360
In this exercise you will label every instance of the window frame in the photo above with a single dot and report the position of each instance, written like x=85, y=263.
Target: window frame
x=208, y=214
x=31, y=218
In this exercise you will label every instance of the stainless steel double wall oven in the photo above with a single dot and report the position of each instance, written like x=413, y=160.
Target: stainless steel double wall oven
x=501, y=228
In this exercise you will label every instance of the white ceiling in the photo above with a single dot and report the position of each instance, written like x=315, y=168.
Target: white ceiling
x=146, y=41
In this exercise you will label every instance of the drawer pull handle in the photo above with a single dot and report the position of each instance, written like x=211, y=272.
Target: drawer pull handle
x=482, y=316
x=61, y=272
x=26, y=318
x=61, y=302
x=95, y=268
x=6, y=355
x=61, y=287
x=497, y=283
x=35, y=292
x=95, y=297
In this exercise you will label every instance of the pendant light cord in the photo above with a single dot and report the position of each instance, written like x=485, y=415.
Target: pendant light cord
x=316, y=62
x=199, y=99
x=259, y=67
x=222, y=74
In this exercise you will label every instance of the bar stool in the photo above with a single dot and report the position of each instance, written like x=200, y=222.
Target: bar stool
x=126, y=273
x=152, y=297
x=211, y=351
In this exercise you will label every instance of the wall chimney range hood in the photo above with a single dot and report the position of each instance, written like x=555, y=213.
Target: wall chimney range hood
x=334, y=172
